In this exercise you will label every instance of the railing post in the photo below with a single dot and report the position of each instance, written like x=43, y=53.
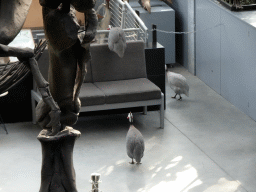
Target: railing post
x=123, y=18
x=146, y=36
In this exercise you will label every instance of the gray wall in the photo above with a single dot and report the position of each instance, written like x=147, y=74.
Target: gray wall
x=184, y=19
x=226, y=55
x=208, y=43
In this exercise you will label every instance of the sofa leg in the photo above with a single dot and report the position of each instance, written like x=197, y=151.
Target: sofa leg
x=162, y=112
x=145, y=110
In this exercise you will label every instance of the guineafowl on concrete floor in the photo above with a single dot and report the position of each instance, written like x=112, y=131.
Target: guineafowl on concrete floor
x=134, y=142
x=178, y=84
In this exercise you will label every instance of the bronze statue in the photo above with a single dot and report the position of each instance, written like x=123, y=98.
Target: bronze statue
x=12, y=17
x=68, y=47
x=69, y=55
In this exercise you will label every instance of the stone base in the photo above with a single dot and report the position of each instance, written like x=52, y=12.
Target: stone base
x=58, y=174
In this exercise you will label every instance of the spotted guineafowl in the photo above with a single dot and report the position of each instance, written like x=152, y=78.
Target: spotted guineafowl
x=146, y=5
x=117, y=41
x=134, y=142
x=178, y=84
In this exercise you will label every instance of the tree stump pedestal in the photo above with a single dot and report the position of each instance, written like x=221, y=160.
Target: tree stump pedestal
x=58, y=173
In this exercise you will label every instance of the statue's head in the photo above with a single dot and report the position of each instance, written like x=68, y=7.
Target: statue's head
x=13, y=14
x=53, y=4
x=83, y=5
x=79, y=5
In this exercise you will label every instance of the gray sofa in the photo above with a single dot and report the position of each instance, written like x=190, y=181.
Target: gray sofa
x=113, y=83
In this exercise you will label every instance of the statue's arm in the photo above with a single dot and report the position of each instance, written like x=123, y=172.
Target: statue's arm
x=27, y=54
x=20, y=53
x=91, y=23
x=4, y=51
x=43, y=87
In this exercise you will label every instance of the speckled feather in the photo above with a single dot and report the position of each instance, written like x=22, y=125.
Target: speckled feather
x=146, y=5
x=178, y=83
x=135, y=144
x=117, y=41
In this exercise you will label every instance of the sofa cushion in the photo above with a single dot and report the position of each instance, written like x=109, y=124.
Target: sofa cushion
x=129, y=90
x=108, y=66
x=91, y=95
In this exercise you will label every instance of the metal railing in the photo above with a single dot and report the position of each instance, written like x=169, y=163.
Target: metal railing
x=122, y=15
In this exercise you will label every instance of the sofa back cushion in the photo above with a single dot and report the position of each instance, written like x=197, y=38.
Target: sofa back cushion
x=43, y=64
x=106, y=65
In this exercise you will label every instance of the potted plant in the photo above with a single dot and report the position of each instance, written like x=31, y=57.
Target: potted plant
x=239, y=5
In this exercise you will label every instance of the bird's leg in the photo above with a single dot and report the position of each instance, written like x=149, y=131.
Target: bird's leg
x=174, y=96
x=138, y=163
x=132, y=162
x=180, y=98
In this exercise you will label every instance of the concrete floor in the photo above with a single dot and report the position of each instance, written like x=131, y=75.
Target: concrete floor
x=208, y=145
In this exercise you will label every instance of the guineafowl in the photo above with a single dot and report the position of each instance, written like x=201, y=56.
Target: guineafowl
x=134, y=142
x=117, y=41
x=146, y=5
x=178, y=84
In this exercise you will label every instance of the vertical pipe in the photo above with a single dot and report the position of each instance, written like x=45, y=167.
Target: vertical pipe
x=124, y=11
x=154, y=34
x=137, y=24
x=145, y=109
x=146, y=36
x=191, y=37
x=162, y=112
